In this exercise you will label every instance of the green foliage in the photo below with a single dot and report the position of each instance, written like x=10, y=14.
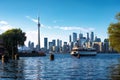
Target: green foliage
x=12, y=39
x=114, y=34
x=118, y=16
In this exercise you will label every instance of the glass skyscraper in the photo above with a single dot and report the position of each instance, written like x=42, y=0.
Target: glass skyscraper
x=46, y=43
x=74, y=37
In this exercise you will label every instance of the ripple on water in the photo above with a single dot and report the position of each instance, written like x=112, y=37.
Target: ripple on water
x=64, y=67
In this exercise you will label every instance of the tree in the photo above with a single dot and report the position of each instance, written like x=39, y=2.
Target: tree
x=114, y=34
x=12, y=39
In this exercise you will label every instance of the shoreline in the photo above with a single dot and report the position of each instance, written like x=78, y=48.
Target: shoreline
x=31, y=54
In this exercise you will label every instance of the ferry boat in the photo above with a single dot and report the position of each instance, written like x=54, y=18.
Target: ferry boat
x=83, y=52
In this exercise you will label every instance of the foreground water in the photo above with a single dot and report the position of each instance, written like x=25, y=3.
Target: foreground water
x=64, y=67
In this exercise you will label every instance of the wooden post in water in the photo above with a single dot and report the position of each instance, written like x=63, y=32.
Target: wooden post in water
x=4, y=58
x=78, y=56
x=51, y=57
x=16, y=57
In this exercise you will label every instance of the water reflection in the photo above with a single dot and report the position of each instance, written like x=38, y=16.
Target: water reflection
x=115, y=71
x=64, y=67
x=11, y=71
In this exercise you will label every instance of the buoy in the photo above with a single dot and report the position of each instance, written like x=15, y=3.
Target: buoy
x=52, y=57
x=78, y=56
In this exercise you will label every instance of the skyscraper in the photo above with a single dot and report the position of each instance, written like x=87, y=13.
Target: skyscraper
x=80, y=36
x=54, y=42
x=69, y=38
x=87, y=36
x=46, y=43
x=92, y=36
x=74, y=37
x=58, y=45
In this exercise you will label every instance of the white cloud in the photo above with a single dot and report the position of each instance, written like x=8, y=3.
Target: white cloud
x=56, y=21
x=31, y=36
x=32, y=19
x=68, y=28
x=4, y=26
x=3, y=23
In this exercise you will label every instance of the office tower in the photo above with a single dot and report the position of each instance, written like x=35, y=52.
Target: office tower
x=80, y=39
x=69, y=38
x=45, y=43
x=87, y=36
x=92, y=36
x=38, y=35
x=54, y=42
x=58, y=45
x=65, y=48
x=97, y=39
x=29, y=44
x=106, y=45
x=80, y=35
x=74, y=37
x=32, y=45
x=51, y=46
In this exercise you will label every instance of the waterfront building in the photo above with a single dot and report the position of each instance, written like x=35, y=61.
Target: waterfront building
x=88, y=44
x=98, y=46
x=45, y=43
x=74, y=37
x=82, y=41
x=106, y=45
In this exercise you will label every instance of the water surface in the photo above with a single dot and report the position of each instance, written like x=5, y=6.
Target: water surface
x=64, y=67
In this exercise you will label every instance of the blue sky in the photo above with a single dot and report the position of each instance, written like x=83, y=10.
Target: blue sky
x=58, y=18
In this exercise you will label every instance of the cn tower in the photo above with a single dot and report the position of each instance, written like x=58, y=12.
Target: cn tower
x=38, y=34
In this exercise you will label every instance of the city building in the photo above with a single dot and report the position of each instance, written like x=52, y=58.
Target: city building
x=92, y=37
x=54, y=42
x=69, y=38
x=88, y=37
x=45, y=43
x=50, y=46
x=65, y=48
x=58, y=45
x=31, y=45
x=74, y=37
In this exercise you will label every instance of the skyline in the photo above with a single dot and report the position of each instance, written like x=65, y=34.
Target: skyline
x=58, y=18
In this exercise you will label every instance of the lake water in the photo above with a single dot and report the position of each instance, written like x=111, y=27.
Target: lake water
x=64, y=67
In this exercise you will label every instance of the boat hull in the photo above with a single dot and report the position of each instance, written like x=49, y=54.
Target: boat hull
x=88, y=53
x=84, y=53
